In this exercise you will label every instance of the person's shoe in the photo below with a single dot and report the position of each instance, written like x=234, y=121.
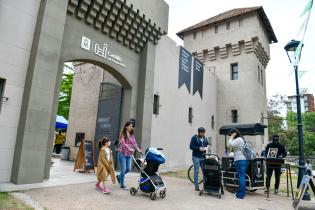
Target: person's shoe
x=124, y=187
x=106, y=190
x=197, y=189
x=276, y=191
x=235, y=195
x=98, y=187
x=118, y=180
x=267, y=190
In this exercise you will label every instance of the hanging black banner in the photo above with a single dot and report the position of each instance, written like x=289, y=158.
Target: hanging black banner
x=198, y=77
x=184, y=68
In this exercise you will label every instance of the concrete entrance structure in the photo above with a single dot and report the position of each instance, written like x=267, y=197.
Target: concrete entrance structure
x=131, y=29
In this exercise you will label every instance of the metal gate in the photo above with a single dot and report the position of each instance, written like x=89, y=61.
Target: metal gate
x=108, y=116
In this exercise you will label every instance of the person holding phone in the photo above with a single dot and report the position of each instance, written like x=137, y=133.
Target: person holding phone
x=241, y=163
x=199, y=145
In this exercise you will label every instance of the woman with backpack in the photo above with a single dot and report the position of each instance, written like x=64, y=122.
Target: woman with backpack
x=237, y=142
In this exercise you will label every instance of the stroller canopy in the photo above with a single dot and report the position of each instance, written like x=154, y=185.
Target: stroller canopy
x=152, y=154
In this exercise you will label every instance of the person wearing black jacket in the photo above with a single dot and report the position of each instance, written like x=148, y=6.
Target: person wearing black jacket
x=198, y=145
x=281, y=153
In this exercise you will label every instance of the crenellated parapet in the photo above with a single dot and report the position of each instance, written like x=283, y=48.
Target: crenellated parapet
x=235, y=49
x=119, y=20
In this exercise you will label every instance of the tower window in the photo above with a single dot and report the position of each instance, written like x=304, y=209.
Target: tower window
x=195, y=35
x=2, y=84
x=156, y=104
x=216, y=29
x=234, y=71
x=228, y=25
x=212, y=122
x=190, y=115
x=234, y=116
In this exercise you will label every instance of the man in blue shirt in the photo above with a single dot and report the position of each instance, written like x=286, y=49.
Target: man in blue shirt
x=198, y=145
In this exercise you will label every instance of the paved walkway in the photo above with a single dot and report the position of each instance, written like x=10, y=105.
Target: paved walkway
x=180, y=196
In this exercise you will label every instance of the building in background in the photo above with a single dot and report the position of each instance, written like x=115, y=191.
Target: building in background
x=307, y=102
x=236, y=45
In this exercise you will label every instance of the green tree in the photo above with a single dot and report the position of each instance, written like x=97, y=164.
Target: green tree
x=275, y=120
x=308, y=120
x=65, y=92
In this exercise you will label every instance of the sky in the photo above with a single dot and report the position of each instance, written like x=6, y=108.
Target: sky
x=285, y=19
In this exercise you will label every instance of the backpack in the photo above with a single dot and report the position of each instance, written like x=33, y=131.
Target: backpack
x=248, y=151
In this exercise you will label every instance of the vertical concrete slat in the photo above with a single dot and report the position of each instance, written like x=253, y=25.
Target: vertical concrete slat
x=145, y=95
x=33, y=140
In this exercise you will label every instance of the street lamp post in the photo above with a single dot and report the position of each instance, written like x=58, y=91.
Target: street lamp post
x=290, y=49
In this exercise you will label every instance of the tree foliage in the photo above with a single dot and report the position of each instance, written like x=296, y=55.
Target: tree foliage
x=286, y=127
x=65, y=93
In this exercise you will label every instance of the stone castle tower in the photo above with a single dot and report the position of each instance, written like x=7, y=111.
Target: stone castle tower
x=235, y=44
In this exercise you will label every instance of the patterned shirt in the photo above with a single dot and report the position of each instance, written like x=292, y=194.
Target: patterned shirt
x=127, y=148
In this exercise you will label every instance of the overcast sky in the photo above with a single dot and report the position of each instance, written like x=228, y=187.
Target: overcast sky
x=285, y=20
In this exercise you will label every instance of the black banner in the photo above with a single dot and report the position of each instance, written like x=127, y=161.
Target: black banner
x=198, y=77
x=184, y=68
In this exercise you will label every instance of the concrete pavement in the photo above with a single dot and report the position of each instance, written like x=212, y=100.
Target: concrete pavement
x=180, y=196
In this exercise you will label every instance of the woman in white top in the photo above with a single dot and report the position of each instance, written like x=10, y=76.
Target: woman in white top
x=237, y=142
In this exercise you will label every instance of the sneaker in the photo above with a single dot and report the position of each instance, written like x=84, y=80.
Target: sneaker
x=236, y=196
x=106, y=190
x=118, y=180
x=267, y=190
x=197, y=189
x=98, y=187
x=276, y=191
x=124, y=187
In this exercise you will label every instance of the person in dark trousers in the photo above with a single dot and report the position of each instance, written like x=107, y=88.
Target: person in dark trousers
x=198, y=145
x=281, y=153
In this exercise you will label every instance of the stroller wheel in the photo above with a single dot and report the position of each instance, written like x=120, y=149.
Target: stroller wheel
x=153, y=196
x=163, y=194
x=133, y=191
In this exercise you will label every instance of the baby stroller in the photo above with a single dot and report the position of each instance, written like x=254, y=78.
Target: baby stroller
x=150, y=181
x=211, y=169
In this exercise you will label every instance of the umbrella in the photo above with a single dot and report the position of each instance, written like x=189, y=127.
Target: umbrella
x=61, y=122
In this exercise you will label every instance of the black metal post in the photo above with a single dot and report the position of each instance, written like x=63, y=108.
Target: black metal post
x=302, y=169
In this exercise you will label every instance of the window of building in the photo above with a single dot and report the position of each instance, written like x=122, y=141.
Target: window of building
x=2, y=84
x=258, y=74
x=234, y=71
x=216, y=29
x=228, y=25
x=190, y=115
x=240, y=22
x=261, y=77
x=195, y=35
x=212, y=122
x=234, y=116
x=156, y=104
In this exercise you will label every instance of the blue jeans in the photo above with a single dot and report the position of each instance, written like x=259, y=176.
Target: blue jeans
x=125, y=167
x=241, y=168
x=197, y=164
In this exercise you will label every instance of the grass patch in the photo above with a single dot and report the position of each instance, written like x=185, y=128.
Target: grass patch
x=8, y=202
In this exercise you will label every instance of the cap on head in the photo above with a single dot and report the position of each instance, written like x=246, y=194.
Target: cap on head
x=201, y=130
x=275, y=138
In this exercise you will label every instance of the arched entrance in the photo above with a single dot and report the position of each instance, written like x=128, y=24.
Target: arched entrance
x=70, y=31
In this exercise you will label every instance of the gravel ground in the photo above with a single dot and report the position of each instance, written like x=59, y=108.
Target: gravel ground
x=180, y=196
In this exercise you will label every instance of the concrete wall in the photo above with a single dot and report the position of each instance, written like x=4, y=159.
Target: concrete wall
x=17, y=23
x=171, y=129
x=246, y=94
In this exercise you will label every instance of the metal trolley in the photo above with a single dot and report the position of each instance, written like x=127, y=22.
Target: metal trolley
x=255, y=171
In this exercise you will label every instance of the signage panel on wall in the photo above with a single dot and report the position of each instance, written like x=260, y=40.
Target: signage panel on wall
x=198, y=77
x=101, y=50
x=185, y=59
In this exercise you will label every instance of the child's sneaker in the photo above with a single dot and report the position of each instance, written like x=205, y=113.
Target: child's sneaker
x=106, y=190
x=98, y=187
